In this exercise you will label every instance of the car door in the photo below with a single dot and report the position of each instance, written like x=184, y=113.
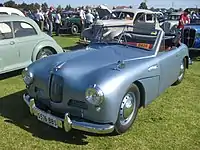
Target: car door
x=169, y=62
x=9, y=55
x=26, y=39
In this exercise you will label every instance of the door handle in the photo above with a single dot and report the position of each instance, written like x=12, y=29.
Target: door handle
x=154, y=67
x=12, y=43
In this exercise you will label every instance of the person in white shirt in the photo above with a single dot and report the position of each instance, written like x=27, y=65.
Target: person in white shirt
x=58, y=22
x=89, y=18
x=40, y=19
x=82, y=17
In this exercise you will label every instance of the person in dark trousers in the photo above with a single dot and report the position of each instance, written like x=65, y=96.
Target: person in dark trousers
x=50, y=20
x=83, y=18
x=58, y=22
x=184, y=19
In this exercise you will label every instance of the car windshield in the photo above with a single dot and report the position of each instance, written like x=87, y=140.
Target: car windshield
x=70, y=15
x=120, y=15
x=173, y=17
x=141, y=37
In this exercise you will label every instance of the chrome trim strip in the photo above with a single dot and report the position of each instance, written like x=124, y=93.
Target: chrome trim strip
x=67, y=124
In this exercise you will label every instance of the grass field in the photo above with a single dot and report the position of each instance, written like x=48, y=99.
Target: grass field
x=172, y=121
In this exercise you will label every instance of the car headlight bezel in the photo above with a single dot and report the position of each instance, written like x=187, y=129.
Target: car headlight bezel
x=27, y=76
x=94, y=95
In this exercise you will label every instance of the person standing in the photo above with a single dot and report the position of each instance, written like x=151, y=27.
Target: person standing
x=82, y=17
x=58, y=22
x=40, y=19
x=184, y=19
x=89, y=18
x=50, y=21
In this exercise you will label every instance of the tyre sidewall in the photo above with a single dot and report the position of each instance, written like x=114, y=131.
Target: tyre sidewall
x=44, y=51
x=178, y=81
x=72, y=31
x=119, y=128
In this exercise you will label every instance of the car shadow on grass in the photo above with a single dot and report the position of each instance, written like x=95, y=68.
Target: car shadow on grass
x=75, y=47
x=10, y=74
x=15, y=111
x=13, y=108
x=195, y=55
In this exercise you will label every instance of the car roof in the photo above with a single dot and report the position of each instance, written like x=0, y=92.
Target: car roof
x=133, y=10
x=175, y=13
x=10, y=10
x=13, y=18
x=10, y=18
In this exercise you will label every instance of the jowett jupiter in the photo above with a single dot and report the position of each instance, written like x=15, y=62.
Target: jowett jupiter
x=100, y=89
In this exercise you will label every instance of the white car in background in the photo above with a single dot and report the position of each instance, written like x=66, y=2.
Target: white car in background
x=171, y=23
x=117, y=17
x=10, y=11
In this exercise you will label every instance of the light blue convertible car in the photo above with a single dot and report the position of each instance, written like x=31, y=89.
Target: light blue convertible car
x=100, y=89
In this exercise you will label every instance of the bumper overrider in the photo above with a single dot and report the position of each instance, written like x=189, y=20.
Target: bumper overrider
x=66, y=123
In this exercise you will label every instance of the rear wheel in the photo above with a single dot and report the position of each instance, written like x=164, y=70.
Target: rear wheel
x=182, y=72
x=128, y=109
x=45, y=52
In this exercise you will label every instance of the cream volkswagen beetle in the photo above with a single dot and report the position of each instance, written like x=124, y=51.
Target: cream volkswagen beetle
x=22, y=42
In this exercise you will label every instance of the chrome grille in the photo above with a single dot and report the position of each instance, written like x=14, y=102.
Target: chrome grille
x=78, y=104
x=189, y=36
x=56, y=88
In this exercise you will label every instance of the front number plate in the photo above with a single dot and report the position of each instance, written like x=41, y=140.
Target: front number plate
x=48, y=119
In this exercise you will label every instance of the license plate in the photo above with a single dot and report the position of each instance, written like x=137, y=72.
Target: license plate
x=48, y=119
x=143, y=45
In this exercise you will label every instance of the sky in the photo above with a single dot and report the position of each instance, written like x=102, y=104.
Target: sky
x=135, y=3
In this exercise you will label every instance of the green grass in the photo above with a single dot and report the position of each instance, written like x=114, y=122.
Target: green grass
x=172, y=121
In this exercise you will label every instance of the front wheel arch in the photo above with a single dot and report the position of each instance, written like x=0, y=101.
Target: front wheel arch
x=187, y=62
x=142, y=93
x=47, y=48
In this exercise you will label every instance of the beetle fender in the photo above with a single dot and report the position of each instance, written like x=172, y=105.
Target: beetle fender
x=43, y=44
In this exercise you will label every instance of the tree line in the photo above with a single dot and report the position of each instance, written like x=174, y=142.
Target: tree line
x=33, y=6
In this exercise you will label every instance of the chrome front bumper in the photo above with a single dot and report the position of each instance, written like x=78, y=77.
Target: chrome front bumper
x=67, y=124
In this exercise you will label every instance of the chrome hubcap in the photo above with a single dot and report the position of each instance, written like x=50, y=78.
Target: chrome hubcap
x=127, y=108
x=74, y=30
x=182, y=69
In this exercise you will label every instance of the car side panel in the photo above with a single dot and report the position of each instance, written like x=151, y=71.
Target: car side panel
x=25, y=46
x=151, y=89
x=116, y=86
x=9, y=56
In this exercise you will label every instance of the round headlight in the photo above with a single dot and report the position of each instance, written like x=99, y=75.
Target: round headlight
x=94, y=95
x=27, y=76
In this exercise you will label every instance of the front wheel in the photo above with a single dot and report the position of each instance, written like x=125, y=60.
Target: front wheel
x=128, y=109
